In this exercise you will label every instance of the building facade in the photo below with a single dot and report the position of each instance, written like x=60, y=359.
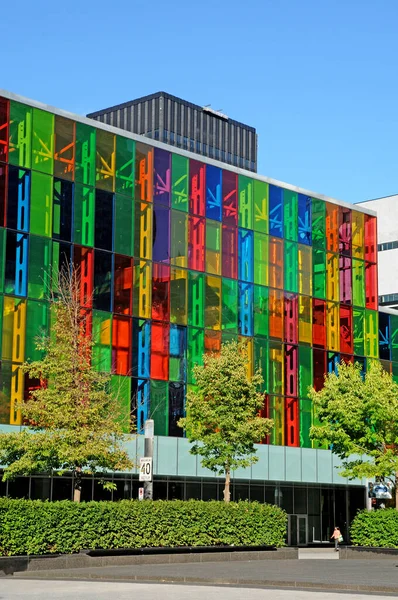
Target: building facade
x=177, y=255
x=185, y=125
x=387, y=235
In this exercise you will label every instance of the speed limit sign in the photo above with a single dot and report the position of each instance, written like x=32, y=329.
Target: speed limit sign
x=146, y=469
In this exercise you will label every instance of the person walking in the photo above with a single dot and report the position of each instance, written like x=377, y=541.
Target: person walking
x=337, y=537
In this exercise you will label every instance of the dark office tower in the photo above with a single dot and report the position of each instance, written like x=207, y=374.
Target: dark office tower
x=185, y=125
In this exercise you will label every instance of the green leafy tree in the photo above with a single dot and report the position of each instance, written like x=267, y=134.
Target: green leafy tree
x=223, y=419
x=358, y=416
x=73, y=420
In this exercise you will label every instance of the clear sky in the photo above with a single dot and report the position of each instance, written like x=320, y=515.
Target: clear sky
x=317, y=78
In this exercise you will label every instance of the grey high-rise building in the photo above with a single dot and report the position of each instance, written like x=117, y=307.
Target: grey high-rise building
x=202, y=130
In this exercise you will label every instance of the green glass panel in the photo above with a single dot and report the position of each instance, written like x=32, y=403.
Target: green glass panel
x=213, y=247
x=394, y=337
x=371, y=333
x=121, y=389
x=319, y=273
x=39, y=280
x=305, y=423
x=395, y=371
x=105, y=160
x=196, y=341
x=5, y=392
x=277, y=413
x=41, y=204
x=358, y=282
x=83, y=220
x=179, y=239
x=261, y=361
x=43, y=141
x=196, y=286
x=85, y=154
x=359, y=334
x=125, y=166
x=1, y=321
x=160, y=406
x=228, y=336
x=124, y=225
x=260, y=310
x=290, y=267
x=305, y=370
x=318, y=223
x=246, y=188
x=260, y=258
x=229, y=310
x=20, y=141
x=179, y=182
x=37, y=325
x=290, y=215
x=102, y=338
x=260, y=205
x=2, y=257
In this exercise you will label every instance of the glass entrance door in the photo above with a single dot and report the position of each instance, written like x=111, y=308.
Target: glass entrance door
x=298, y=530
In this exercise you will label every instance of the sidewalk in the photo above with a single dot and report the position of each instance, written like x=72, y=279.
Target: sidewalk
x=328, y=574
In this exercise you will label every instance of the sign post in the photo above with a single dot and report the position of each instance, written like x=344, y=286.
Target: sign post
x=146, y=474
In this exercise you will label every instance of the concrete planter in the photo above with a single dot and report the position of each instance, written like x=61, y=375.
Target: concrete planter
x=366, y=553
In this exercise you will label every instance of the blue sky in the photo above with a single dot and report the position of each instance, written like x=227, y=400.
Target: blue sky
x=317, y=78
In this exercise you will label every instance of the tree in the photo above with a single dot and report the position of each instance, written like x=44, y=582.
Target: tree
x=73, y=416
x=222, y=412
x=358, y=418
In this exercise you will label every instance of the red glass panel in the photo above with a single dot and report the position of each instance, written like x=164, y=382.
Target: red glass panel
x=230, y=199
x=332, y=227
x=3, y=194
x=291, y=355
x=197, y=189
x=371, y=285
x=4, y=119
x=292, y=427
x=121, y=345
x=345, y=231
x=161, y=292
x=160, y=351
x=291, y=318
x=319, y=323
x=123, y=285
x=83, y=259
x=319, y=365
x=345, y=279
x=229, y=252
x=276, y=313
x=346, y=342
x=143, y=172
x=275, y=270
x=212, y=341
x=196, y=243
x=370, y=238
x=86, y=322
x=347, y=358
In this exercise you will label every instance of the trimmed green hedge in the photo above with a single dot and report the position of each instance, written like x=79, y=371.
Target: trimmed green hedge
x=377, y=528
x=36, y=527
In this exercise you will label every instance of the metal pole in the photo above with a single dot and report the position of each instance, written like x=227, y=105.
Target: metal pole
x=148, y=451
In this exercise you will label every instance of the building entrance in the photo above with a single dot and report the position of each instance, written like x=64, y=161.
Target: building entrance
x=298, y=530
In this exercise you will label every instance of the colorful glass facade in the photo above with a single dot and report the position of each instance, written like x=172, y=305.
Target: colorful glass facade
x=177, y=255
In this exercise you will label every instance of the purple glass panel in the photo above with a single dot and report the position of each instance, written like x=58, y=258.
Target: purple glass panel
x=162, y=177
x=161, y=233
x=345, y=279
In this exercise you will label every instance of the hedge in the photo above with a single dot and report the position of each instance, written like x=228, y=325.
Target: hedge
x=37, y=527
x=376, y=528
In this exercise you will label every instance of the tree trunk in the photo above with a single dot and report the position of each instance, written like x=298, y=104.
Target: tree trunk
x=227, y=493
x=77, y=490
x=396, y=490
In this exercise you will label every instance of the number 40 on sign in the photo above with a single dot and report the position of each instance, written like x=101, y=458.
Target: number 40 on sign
x=146, y=469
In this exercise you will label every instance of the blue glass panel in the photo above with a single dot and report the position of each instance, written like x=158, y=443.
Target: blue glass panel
x=178, y=353
x=245, y=317
x=161, y=234
x=141, y=347
x=213, y=193
x=304, y=219
x=384, y=336
x=275, y=211
x=245, y=264
x=16, y=264
x=18, y=199
x=333, y=361
x=140, y=397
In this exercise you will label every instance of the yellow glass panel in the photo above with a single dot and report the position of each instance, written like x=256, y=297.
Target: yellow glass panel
x=358, y=234
x=277, y=413
x=17, y=393
x=142, y=289
x=305, y=269
x=305, y=319
x=178, y=296
x=333, y=326
x=332, y=277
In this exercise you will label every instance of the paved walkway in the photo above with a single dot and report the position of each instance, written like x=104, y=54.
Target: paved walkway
x=331, y=575
x=101, y=590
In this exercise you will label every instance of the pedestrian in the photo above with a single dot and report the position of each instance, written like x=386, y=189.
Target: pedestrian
x=337, y=537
